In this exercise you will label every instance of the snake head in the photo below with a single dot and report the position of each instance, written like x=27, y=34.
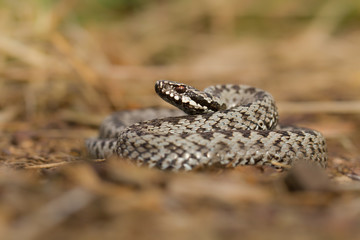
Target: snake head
x=187, y=98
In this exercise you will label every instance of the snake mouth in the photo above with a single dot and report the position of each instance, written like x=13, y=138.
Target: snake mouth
x=170, y=91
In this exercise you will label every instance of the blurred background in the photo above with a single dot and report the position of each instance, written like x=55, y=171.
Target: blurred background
x=66, y=64
x=98, y=56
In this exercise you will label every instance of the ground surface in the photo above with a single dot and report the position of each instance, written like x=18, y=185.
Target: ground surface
x=61, y=74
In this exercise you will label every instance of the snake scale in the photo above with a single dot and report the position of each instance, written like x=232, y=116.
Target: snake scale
x=225, y=125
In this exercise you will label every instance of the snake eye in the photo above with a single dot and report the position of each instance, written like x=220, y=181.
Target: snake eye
x=180, y=89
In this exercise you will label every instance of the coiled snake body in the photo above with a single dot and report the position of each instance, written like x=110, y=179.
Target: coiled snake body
x=226, y=125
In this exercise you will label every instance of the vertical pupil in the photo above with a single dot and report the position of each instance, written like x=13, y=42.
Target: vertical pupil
x=180, y=89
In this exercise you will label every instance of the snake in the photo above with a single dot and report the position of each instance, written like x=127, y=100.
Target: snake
x=225, y=125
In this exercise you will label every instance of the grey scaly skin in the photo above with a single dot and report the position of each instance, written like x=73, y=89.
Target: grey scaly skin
x=226, y=125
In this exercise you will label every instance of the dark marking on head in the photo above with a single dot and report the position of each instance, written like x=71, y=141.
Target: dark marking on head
x=199, y=99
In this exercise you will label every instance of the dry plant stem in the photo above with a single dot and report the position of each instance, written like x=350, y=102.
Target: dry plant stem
x=47, y=165
x=57, y=164
x=21, y=51
x=87, y=75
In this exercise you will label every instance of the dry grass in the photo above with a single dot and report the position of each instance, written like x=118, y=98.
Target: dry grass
x=65, y=66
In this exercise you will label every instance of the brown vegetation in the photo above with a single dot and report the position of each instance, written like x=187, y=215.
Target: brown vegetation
x=65, y=66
